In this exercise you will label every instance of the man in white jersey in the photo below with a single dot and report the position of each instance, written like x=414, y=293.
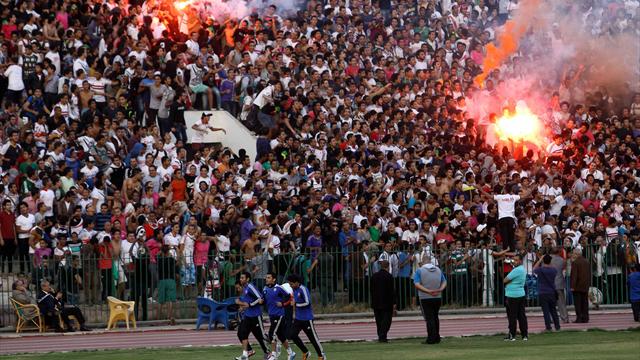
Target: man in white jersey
x=507, y=213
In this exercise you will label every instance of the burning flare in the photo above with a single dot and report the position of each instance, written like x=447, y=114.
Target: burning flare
x=520, y=126
x=181, y=5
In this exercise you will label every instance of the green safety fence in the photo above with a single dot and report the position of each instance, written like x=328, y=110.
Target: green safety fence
x=339, y=279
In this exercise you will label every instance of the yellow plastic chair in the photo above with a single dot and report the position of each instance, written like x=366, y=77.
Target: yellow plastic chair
x=23, y=319
x=120, y=310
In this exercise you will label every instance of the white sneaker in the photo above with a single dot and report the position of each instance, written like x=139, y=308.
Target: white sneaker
x=292, y=356
x=241, y=357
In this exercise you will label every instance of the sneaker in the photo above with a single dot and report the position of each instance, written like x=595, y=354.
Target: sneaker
x=241, y=357
x=509, y=338
x=292, y=356
x=306, y=356
x=322, y=357
x=524, y=338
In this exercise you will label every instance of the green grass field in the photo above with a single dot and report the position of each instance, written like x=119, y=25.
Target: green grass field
x=578, y=345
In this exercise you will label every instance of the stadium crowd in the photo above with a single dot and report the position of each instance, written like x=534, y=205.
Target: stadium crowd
x=365, y=150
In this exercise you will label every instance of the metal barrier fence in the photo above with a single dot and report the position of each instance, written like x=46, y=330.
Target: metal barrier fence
x=339, y=280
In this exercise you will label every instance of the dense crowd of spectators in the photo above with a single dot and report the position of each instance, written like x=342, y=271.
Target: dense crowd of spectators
x=365, y=149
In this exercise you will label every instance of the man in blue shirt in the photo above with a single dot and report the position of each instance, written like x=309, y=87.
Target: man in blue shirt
x=251, y=316
x=277, y=298
x=547, y=291
x=514, y=291
x=303, y=318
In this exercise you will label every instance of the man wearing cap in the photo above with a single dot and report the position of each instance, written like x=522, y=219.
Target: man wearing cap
x=383, y=299
x=430, y=282
x=201, y=130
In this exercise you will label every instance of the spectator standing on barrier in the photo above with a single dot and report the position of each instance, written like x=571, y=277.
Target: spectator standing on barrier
x=383, y=299
x=634, y=291
x=430, y=282
x=547, y=294
x=516, y=300
x=507, y=213
x=580, y=281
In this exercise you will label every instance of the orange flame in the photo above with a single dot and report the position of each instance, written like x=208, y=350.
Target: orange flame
x=521, y=126
x=508, y=40
x=181, y=5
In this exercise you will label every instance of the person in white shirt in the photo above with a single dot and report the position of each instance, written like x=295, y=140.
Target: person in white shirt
x=201, y=129
x=81, y=63
x=187, y=246
x=15, y=85
x=90, y=170
x=411, y=235
x=507, y=212
x=47, y=197
x=193, y=48
x=172, y=240
x=556, y=196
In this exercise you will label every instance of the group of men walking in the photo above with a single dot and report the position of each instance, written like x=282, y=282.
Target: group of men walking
x=289, y=309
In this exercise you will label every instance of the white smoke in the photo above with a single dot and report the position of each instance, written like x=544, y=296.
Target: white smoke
x=239, y=9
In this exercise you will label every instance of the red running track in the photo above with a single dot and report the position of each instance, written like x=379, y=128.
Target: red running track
x=362, y=330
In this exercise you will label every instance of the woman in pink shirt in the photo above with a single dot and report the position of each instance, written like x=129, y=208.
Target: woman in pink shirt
x=62, y=17
x=200, y=257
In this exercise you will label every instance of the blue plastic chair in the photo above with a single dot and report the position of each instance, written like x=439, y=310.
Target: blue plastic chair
x=206, y=311
x=222, y=313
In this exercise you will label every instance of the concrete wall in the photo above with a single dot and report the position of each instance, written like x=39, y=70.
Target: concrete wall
x=237, y=136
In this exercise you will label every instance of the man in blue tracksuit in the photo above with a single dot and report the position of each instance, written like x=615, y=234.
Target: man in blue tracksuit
x=634, y=291
x=303, y=318
x=251, y=316
x=277, y=298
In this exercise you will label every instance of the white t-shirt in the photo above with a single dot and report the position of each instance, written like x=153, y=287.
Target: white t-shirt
x=223, y=243
x=556, y=194
x=172, y=241
x=99, y=196
x=410, y=236
x=47, y=197
x=125, y=248
x=90, y=172
x=506, y=205
x=25, y=223
x=264, y=97
x=14, y=74
x=189, y=243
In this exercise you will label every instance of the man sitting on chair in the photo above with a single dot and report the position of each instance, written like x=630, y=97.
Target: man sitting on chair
x=51, y=306
x=19, y=293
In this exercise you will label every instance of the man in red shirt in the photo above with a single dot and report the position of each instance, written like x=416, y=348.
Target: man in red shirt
x=8, y=241
x=179, y=189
